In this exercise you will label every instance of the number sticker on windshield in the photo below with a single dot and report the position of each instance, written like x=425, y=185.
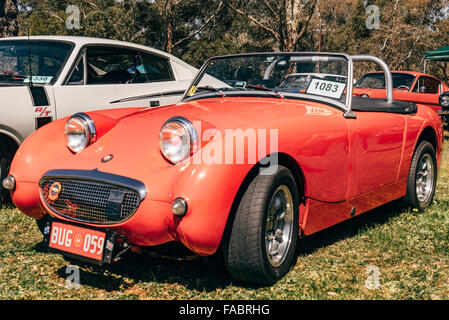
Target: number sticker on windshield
x=326, y=88
x=39, y=79
x=192, y=91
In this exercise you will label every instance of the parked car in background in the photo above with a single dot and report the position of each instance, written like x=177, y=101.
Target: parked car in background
x=444, y=103
x=44, y=78
x=417, y=87
x=246, y=167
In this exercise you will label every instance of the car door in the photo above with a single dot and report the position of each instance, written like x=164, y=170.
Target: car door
x=107, y=77
x=426, y=91
x=379, y=145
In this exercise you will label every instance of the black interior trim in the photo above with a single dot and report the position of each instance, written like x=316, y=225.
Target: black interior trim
x=381, y=105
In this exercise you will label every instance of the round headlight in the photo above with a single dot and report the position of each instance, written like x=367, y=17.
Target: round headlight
x=178, y=139
x=444, y=100
x=80, y=132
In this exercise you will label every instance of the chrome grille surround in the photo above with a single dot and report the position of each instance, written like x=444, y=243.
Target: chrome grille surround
x=85, y=196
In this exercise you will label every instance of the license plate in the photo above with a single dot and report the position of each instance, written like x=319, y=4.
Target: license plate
x=80, y=242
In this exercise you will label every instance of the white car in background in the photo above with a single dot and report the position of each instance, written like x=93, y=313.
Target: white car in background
x=76, y=74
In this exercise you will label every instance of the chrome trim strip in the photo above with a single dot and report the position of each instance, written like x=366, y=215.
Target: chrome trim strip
x=150, y=96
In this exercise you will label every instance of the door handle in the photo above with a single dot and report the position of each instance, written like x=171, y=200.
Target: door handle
x=155, y=103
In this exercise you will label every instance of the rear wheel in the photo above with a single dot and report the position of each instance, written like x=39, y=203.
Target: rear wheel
x=260, y=247
x=422, y=177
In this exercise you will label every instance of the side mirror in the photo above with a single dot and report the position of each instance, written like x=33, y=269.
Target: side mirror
x=444, y=100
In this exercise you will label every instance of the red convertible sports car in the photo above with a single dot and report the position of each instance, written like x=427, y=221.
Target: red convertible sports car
x=244, y=168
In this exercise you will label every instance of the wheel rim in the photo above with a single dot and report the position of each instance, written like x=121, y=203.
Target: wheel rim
x=279, y=226
x=425, y=179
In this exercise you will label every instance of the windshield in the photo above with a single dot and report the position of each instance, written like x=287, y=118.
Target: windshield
x=47, y=60
x=377, y=81
x=296, y=82
x=273, y=74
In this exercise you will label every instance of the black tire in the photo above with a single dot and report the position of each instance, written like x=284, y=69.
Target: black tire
x=5, y=163
x=424, y=153
x=245, y=244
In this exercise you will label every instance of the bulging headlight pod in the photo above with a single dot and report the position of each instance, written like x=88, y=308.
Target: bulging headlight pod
x=178, y=139
x=80, y=132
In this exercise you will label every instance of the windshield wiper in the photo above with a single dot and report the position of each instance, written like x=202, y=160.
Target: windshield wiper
x=258, y=87
x=11, y=79
x=10, y=75
x=210, y=88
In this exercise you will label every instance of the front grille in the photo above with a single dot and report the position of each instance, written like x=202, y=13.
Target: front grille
x=90, y=201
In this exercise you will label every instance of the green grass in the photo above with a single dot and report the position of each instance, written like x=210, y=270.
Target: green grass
x=409, y=248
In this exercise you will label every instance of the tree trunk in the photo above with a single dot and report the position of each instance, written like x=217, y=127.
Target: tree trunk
x=8, y=18
x=288, y=24
x=169, y=7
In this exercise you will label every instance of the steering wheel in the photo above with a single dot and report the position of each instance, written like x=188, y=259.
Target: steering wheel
x=403, y=87
x=133, y=75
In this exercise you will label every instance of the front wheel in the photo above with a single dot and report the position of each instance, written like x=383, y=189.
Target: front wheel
x=422, y=177
x=260, y=247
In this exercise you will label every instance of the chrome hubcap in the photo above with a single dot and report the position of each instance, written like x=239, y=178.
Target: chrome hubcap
x=424, y=179
x=279, y=226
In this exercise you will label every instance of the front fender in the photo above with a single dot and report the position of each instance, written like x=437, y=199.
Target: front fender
x=210, y=191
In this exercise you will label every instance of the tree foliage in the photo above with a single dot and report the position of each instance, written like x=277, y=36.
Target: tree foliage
x=8, y=18
x=197, y=29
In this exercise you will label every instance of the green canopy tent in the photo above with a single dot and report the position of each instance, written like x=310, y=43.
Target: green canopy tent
x=441, y=54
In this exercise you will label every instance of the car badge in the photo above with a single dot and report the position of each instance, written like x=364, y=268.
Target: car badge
x=107, y=158
x=78, y=241
x=55, y=190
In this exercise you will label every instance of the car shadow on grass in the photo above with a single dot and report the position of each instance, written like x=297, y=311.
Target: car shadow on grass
x=201, y=274
x=209, y=274
x=349, y=228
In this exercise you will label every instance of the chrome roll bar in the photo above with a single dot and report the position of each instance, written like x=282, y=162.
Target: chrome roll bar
x=386, y=70
x=388, y=80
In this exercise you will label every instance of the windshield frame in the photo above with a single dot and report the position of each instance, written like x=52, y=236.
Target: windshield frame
x=57, y=75
x=338, y=104
x=346, y=106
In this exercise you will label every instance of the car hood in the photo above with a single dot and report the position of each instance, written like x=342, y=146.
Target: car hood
x=232, y=112
x=133, y=139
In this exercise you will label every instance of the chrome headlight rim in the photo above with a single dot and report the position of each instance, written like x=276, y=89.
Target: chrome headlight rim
x=444, y=100
x=89, y=127
x=189, y=128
